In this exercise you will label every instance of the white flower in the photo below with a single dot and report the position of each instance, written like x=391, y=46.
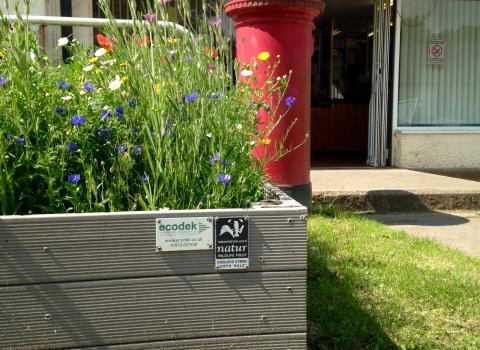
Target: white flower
x=33, y=57
x=108, y=62
x=82, y=92
x=100, y=52
x=208, y=134
x=239, y=126
x=252, y=143
x=115, y=84
x=66, y=98
x=246, y=73
x=47, y=94
x=88, y=68
x=62, y=41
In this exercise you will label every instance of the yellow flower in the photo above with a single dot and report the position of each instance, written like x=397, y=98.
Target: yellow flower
x=2, y=55
x=124, y=79
x=93, y=60
x=265, y=141
x=123, y=65
x=263, y=56
x=171, y=40
x=157, y=88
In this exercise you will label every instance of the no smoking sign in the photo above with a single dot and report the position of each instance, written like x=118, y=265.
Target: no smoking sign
x=436, y=51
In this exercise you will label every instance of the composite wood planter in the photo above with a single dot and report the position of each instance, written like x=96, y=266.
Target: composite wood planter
x=96, y=281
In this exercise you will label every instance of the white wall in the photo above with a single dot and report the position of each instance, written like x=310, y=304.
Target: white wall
x=41, y=8
x=83, y=8
x=437, y=150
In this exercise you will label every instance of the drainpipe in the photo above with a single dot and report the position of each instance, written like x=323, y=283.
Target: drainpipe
x=283, y=27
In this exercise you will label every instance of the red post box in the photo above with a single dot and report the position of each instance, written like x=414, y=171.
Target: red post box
x=283, y=27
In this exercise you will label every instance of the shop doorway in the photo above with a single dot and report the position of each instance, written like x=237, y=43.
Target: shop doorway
x=344, y=65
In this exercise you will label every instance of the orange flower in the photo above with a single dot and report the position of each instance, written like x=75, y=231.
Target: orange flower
x=213, y=52
x=104, y=42
x=141, y=42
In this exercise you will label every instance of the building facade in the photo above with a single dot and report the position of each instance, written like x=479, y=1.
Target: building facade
x=394, y=82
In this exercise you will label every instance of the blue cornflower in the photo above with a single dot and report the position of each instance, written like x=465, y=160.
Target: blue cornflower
x=60, y=110
x=216, y=95
x=78, y=120
x=72, y=147
x=119, y=111
x=121, y=149
x=62, y=84
x=215, y=158
x=106, y=114
x=19, y=140
x=191, y=97
x=132, y=102
x=105, y=132
x=89, y=87
x=144, y=178
x=188, y=59
x=225, y=162
x=167, y=127
x=290, y=101
x=8, y=136
x=135, y=129
x=137, y=149
x=3, y=80
x=224, y=178
x=154, y=133
x=74, y=178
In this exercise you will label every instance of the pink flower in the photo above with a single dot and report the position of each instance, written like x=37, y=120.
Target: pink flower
x=149, y=17
x=212, y=68
x=216, y=22
x=163, y=2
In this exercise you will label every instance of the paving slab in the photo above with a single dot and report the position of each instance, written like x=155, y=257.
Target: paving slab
x=459, y=230
x=393, y=190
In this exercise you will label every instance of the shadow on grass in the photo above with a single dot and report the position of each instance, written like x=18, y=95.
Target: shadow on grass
x=336, y=320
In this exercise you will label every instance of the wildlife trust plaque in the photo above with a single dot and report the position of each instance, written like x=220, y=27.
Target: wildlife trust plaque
x=231, y=243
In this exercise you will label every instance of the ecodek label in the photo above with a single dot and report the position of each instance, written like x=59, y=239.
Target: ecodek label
x=231, y=243
x=174, y=234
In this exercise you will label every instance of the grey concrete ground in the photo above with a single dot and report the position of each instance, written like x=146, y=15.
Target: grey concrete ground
x=365, y=180
x=460, y=230
x=393, y=190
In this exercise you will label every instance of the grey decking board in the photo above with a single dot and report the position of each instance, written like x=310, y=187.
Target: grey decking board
x=118, y=249
x=291, y=341
x=151, y=309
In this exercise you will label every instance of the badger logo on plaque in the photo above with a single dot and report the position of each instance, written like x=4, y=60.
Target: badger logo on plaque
x=231, y=243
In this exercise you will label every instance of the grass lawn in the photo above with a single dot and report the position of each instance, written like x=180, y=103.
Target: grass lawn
x=370, y=287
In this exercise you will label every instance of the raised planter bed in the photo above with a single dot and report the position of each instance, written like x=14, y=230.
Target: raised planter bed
x=96, y=280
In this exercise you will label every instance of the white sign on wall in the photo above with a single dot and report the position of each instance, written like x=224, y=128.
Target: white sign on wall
x=437, y=51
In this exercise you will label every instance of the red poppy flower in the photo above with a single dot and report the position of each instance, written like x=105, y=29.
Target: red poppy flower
x=145, y=41
x=213, y=52
x=104, y=42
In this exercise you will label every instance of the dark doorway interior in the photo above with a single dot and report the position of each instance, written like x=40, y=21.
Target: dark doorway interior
x=341, y=86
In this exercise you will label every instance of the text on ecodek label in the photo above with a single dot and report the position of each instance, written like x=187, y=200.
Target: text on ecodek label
x=174, y=234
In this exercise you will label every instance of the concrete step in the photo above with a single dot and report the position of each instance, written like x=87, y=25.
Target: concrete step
x=393, y=190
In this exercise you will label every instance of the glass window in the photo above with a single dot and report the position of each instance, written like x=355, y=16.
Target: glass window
x=439, y=78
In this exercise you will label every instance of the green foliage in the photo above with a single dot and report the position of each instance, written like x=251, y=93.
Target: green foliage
x=165, y=126
x=370, y=287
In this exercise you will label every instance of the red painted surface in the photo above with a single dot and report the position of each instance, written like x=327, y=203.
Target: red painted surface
x=282, y=27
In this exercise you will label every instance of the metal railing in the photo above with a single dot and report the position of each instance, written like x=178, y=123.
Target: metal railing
x=87, y=22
